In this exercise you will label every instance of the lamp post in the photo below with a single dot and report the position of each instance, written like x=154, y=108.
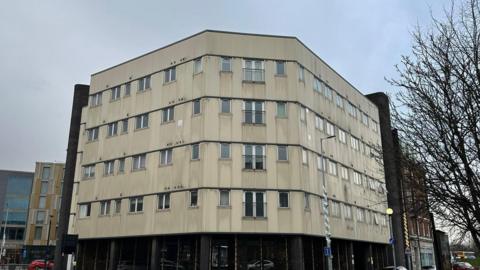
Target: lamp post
x=392, y=240
x=4, y=238
x=47, y=250
x=326, y=220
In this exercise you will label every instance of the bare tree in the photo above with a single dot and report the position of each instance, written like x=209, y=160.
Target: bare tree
x=438, y=114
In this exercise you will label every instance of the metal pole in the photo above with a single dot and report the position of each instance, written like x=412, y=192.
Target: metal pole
x=392, y=241
x=48, y=242
x=325, y=208
x=2, y=250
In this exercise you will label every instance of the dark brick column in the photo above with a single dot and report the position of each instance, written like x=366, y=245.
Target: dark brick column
x=80, y=100
x=295, y=253
x=154, y=259
x=390, y=162
x=205, y=252
x=113, y=257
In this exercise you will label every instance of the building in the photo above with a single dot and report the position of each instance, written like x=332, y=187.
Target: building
x=418, y=219
x=44, y=208
x=206, y=154
x=15, y=187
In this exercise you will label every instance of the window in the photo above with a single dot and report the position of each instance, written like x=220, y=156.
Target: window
x=365, y=119
x=121, y=165
x=254, y=204
x=115, y=93
x=371, y=183
x=109, y=167
x=301, y=73
x=166, y=156
x=44, y=187
x=224, y=197
x=197, y=65
x=118, y=206
x=253, y=71
x=303, y=114
x=124, y=125
x=89, y=171
x=354, y=143
x=112, y=129
x=144, y=84
x=92, y=134
x=139, y=162
x=357, y=179
x=96, y=99
x=318, y=122
x=42, y=202
x=163, y=201
x=367, y=150
x=283, y=199
x=170, y=75
x=224, y=150
x=281, y=109
x=38, y=233
x=330, y=129
x=321, y=163
x=46, y=172
x=194, y=198
x=347, y=211
x=306, y=200
x=196, y=106
x=141, y=121
x=342, y=136
x=280, y=67
x=351, y=109
x=40, y=217
x=332, y=167
x=225, y=105
x=128, y=89
x=335, y=209
x=374, y=125
x=339, y=101
x=168, y=114
x=343, y=172
x=360, y=214
x=328, y=92
x=254, y=157
x=104, y=208
x=317, y=85
x=84, y=210
x=253, y=112
x=282, y=153
x=304, y=156
x=136, y=204
x=196, y=151
x=226, y=64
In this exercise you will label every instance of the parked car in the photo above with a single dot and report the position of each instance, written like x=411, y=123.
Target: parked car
x=393, y=267
x=430, y=267
x=462, y=266
x=257, y=265
x=40, y=265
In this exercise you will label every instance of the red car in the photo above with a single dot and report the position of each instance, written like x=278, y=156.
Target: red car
x=462, y=266
x=40, y=265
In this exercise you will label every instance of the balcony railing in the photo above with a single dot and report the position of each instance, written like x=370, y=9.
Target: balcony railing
x=253, y=75
x=254, y=162
x=253, y=117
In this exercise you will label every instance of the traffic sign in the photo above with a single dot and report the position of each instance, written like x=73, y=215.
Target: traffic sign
x=327, y=251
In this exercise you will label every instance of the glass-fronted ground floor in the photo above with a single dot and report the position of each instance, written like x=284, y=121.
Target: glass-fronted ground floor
x=227, y=252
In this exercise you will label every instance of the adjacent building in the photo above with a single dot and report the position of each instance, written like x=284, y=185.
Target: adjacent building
x=15, y=187
x=212, y=153
x=45, y=200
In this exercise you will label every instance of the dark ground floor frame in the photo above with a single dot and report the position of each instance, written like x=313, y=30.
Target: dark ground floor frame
x=227, y=252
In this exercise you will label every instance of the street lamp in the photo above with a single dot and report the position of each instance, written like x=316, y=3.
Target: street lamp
x=328, y=252
x=392, y=240
x=3, y=251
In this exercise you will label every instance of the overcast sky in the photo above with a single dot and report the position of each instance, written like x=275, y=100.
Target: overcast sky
x=48, y=46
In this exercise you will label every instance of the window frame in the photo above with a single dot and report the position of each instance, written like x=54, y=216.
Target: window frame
x=252, y=120
x=195, y=151
x=254, y=156
x=193, y=194
x=170, y=75
x=227, y=191
x=285, y=112
x=112, y=129
x=137, y=165
x=229, y=150
x=229, y=102
x=222, y=59
x=254, y=204
x=278, y=152
x=168, y=114
x=196, y=107
x=138, y=201
x=141, y=120
x=281, y=63
x=144, y=84
x=197, y=65
x=163, y=201
x=166, y=157
x=115, y=93
x=280, y=193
